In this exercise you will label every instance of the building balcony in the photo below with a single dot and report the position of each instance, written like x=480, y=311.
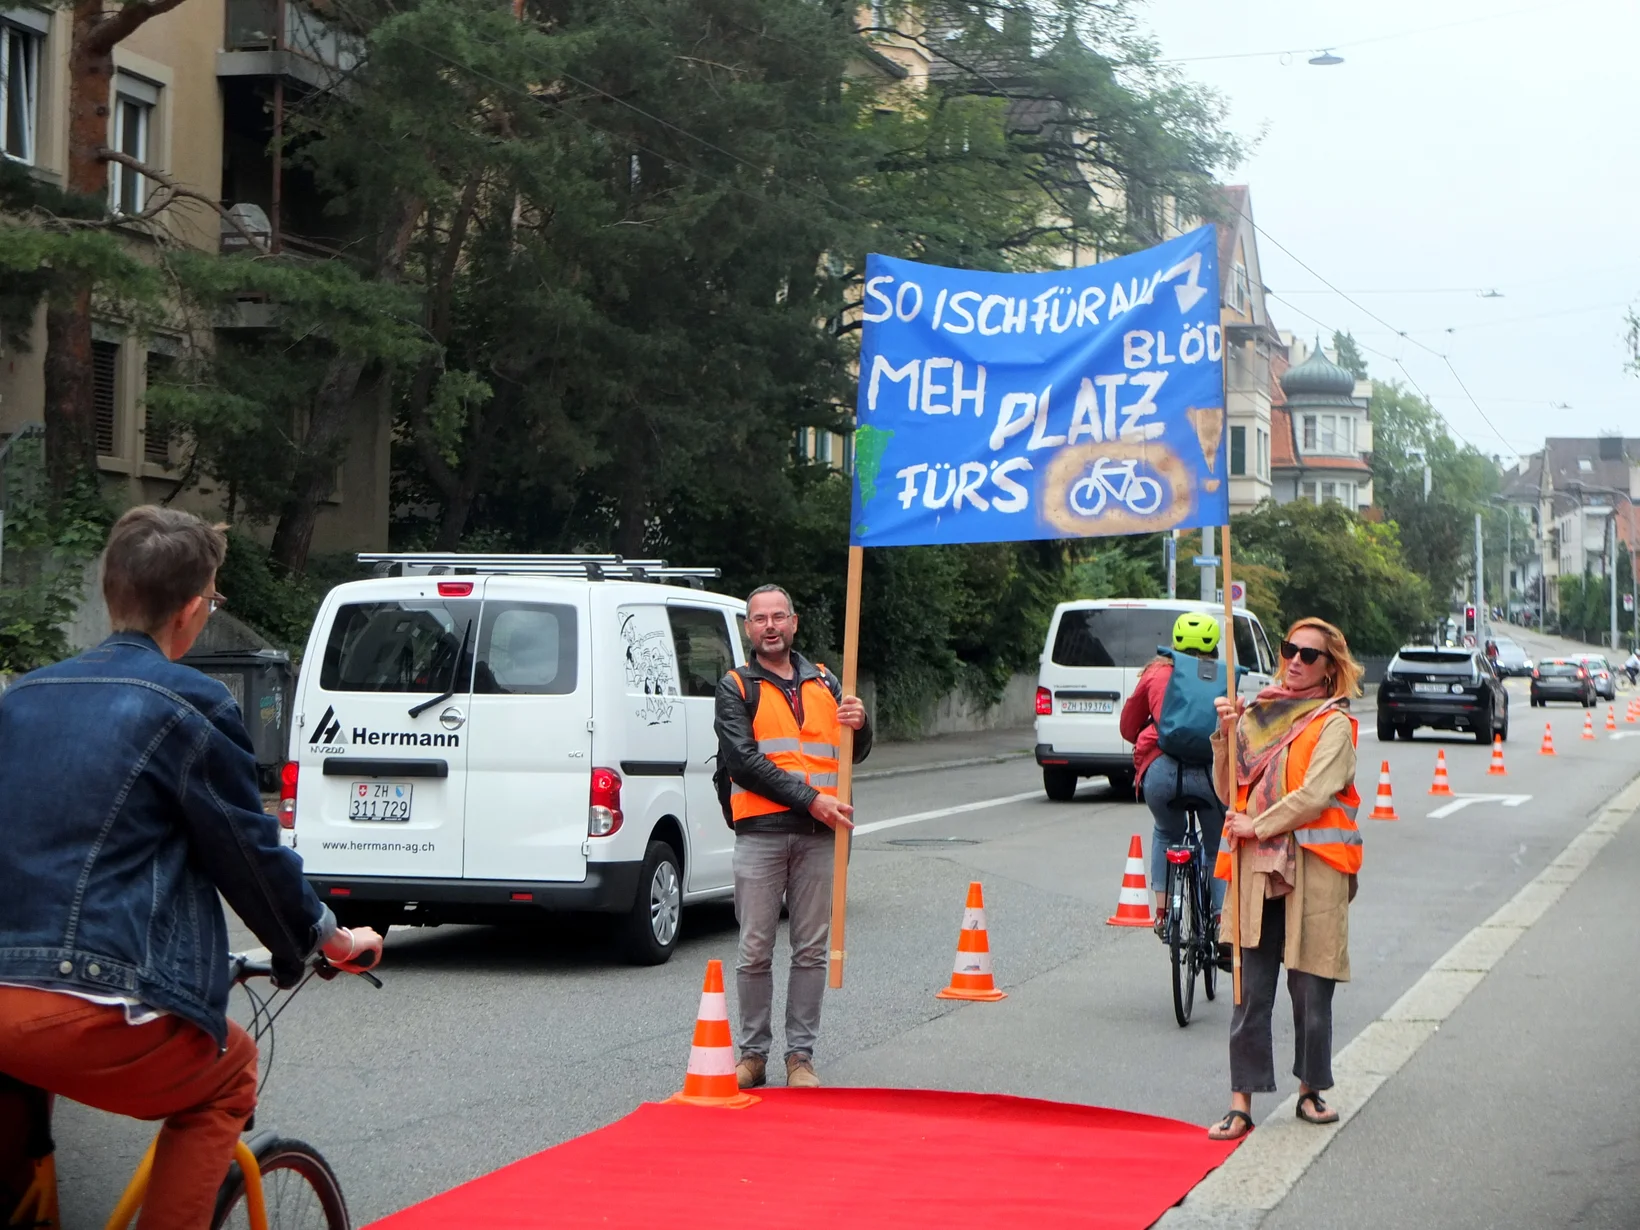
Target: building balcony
x=283, y=39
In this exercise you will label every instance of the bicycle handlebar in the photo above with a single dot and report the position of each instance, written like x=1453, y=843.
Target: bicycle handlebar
x=242, y=968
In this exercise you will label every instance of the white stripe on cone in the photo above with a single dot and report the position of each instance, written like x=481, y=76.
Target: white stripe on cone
x=973, y=920
x=1133, y=895
x=973, y=963
x=714, y=1006
x=711, y=1061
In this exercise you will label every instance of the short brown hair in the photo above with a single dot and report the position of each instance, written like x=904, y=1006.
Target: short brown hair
x=156, y=560
x=1345, y=680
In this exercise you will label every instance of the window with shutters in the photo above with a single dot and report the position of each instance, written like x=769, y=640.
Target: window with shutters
x=105, y=362
x=156, y=438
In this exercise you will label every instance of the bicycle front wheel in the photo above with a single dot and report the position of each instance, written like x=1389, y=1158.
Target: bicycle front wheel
x=1181, y=939
x=299, y=1190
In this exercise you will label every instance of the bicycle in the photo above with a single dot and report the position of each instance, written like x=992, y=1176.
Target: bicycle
x=1140, y=495
x=274, y=1182
x=1192, y=934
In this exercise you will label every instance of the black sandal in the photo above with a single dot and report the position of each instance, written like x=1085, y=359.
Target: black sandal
x=1224, y=1124
x=1322, y=1114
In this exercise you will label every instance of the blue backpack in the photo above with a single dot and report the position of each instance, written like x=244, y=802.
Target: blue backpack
x=1188, y=718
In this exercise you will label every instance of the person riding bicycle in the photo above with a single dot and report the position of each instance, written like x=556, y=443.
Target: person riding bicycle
x=1631, y=667
x=132, y=811
x=1182, y=768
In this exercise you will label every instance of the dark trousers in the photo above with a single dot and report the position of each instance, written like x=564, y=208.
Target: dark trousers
x=1252, y=1054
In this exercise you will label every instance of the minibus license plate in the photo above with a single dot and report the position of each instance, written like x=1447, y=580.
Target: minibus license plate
x=380, y=801
x=1087, y=706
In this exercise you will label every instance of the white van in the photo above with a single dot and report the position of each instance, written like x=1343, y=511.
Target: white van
x=1095, y=652
x=480, y=738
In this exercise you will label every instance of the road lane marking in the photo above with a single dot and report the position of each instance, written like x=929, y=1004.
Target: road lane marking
x=860, y=830
x=1461, y=801
x=1270, y=1162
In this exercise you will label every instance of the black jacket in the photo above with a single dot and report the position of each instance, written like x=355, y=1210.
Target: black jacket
x=751, y=770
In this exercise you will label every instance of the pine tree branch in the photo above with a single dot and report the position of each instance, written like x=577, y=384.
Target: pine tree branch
x=123, y=22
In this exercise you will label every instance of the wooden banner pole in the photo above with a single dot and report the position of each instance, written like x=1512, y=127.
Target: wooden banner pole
x=845, y=769
x=1230, y=771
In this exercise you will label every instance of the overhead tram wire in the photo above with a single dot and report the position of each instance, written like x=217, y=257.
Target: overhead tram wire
x=1402, y=333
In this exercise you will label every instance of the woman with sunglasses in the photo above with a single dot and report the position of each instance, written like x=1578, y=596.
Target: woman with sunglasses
x=1293, y=829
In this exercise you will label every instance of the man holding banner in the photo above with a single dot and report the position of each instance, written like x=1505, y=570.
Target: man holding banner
x=1000, y=407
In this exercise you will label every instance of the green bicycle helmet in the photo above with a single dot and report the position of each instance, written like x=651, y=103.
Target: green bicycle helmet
x=1194, y=633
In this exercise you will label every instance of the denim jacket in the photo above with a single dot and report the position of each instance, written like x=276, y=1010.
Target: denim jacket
x=128, y=801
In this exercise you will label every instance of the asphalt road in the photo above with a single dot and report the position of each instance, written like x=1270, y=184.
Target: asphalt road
x=485, y=1046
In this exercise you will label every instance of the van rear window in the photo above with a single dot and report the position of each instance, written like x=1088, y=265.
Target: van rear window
x=405, y=646
x=1112, y=636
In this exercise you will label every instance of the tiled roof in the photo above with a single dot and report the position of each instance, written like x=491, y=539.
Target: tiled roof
x=1282, y=454
x=1235, y=205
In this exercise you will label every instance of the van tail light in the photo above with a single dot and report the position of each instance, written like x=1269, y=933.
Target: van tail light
x=1044, y=703
x=604, y=809
x=287, y=794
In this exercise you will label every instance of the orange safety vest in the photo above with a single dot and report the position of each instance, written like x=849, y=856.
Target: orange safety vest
x=808, y=752
x=1332, y=836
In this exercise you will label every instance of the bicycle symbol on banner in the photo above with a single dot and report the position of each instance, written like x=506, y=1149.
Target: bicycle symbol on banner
x=1119, y=481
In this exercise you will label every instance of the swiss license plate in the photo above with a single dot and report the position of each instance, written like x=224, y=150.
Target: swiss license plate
x=380, y=801
x=1434, y=688
x=1087, y=706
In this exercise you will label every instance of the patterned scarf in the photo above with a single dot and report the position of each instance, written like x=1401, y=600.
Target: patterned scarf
x=1276, y=717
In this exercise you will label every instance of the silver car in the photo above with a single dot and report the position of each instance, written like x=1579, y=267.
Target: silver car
x=1605, y=678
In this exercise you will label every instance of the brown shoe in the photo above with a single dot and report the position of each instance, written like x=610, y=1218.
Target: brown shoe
x=800, y=1072
x=751, y=1071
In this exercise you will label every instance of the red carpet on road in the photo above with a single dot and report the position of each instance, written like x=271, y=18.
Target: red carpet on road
x=821, y=1159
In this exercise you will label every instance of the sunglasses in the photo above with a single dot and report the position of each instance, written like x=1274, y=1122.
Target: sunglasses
x=214, y=602
x=1304, y=653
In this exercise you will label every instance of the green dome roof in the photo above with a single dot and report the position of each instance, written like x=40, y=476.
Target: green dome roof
x=1317, y=376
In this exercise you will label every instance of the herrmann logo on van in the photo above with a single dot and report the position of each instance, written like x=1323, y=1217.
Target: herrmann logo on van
x=329, y=728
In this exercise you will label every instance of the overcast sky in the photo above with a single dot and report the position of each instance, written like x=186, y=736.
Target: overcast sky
x=1502, y=153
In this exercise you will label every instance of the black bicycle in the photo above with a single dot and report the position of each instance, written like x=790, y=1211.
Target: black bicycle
x=1192, y=934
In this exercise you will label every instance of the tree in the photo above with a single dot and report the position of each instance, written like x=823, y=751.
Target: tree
x=1335, y=565
x=1349, y=355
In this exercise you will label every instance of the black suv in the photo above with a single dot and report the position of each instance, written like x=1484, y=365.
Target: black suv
x=1563, y=679
x=1448, y=689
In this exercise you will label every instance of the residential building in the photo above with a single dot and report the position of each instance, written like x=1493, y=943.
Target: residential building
x=1571, y=490
x=1251, y=348
x=1323, y=432
x=198, y=94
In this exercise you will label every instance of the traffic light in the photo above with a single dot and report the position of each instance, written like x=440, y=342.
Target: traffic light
x=1469, y=617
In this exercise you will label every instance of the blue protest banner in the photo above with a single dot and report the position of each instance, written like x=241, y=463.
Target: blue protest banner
x=996, y=407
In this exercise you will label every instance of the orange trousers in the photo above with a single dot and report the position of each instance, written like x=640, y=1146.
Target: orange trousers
x=167, y=1069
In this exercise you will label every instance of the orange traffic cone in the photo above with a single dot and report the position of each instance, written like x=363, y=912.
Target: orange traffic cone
x=710, y=1079
x=1440, y=785
x=1548, y=748
x=1588, y=725
x=1385, y=809
x=971, y=977
x=1611, y=717
x=1633, y=715
x=1133, y=903
x=1496, y=768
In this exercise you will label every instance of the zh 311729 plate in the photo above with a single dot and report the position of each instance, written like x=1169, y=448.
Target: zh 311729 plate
x=380, y=801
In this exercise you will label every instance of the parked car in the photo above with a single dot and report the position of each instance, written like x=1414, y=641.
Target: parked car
x=1562, y=679
x=510, y=738
x=1600, y=670
x=1511, y=659
x=1095, y=652
x=1446, y=689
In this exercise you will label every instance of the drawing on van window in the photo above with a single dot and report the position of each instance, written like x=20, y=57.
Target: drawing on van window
x=404, y=646
x=651, y=670
x=526, y=649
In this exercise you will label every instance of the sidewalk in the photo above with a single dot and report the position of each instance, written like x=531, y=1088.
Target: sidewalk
x=1519, y=1111
x=947, y=752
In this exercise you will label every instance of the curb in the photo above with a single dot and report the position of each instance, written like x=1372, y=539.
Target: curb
x=935, y=766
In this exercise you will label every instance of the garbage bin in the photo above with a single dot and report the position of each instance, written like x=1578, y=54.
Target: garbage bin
x=261, y=681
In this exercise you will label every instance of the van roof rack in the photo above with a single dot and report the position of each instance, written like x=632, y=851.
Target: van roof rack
x=592, y=567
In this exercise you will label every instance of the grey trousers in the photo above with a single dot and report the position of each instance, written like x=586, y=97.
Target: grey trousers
x=1252, y=1053
x=769, y=866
